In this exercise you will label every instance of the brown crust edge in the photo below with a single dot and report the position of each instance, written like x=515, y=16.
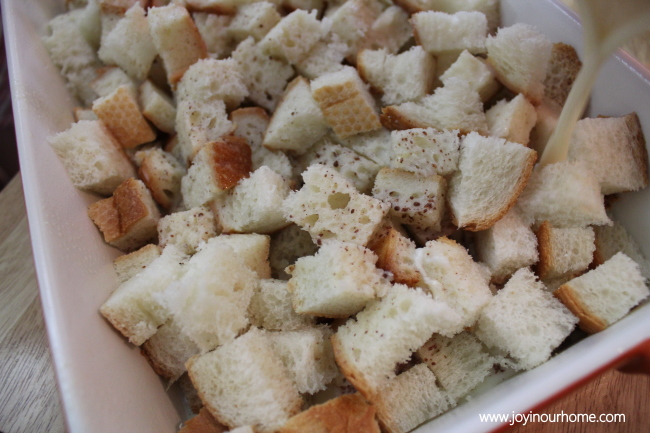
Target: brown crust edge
x=391, y=118
x=588, y=321
x=353, y=375
x=638, y=146
x=545, y=262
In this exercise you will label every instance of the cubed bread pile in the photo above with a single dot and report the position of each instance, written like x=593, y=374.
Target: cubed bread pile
x=330, y=211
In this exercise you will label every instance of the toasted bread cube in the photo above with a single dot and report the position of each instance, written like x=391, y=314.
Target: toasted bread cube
x=352, y=20
x=264, y=77
x=345, y=414
x=360, y=171
x=561, y=72
x=400, y=78
x=210, y=301
x=614, y=149
x=386, y=333
x=162, y=173
x=133, y=308
x=254, y=205
x=176, y=39
x=255, y=19
x=460, y=363
x=297, y=122
x=440, y=33
x=567, y=194
x=415, y=199
x=338, y=281
x=288, y=245
x=604, y=295
x=507, y=246
x=512, y=120
x=214, y=31
x=271, y=308
x=229, y=380
x=478, y=201
x=345, y=102
x=92, y=157
x=455, y=106
x=294, y=36
x=564, y=251
x=330, y=208
x=375, y=145
x=453, y=277
x=129, y=44
x=80, y=113
x=410, y=399
x=109, y=78
x=130, y=264
x=476, y=72
x=525, y=320
x=208, y=80
x=426, y=152
x=307, y=355
x=217, y=167
x=325, y=57
x=158, y=107
x=186, y=230
x=391, y=30
x=253, y=249
x=198, y=124
x=127, y=219
x=613, y=239
x=168, y=350
x=396, y=254
x=519, y=55
x=121, y=114
x=489, y=7
x=204, y=422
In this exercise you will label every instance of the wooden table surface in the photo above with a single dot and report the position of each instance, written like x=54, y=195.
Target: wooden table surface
x=29, y=401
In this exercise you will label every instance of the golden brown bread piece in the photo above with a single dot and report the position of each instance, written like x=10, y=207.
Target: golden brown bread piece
x=105, y=216
x=204, y=422
x=391, y=118
x=392, y=250
x=231, y=158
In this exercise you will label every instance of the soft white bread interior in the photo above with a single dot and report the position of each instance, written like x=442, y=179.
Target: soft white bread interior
x=512, y=120
x=324, y=57
x=130, y=264
x=158, y=107
x=352, y=21
x=440, y=32
x=271, y=308
x=294, y=36
x=489, y=7
x=208, y=80
x=253, y=249
x=391, y=30
x=375, y=145
x=426, y=151
x=213, y=29
x=476, y=72
x=186, y=230
x=199, y=123
x=254, y=19
x=564, y=251
x=162, y=173
x=615, y=238
x=110, y=78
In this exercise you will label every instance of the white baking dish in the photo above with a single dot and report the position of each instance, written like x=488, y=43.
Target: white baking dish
x=105, y=384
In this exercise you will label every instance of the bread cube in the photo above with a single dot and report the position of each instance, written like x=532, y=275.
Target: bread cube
x=613, y=239
x=525, y=320
x=346, y=414
x=130, y=264
x=129, y=44
x=198, y=124
x=507, y=246
x=307, y=355
x=606, y=294
x=80, y=113
x=426, y=152
x=133, y=308
x=158, y=107
x=489, y=7
x=297, y=122
x=566, y=194
x=162, y=174
x=390, y=31
x=564, y=251
x=440, y=33
x=271, y=308
x=396, y=254
x=252, y=248
x=208, y=80
x=109, y=78
x=460, y=363
x=176, y=39
x=254, y=205
x=218, y=166
x=352, y=20
x=476, y=72
x=255, y=19
x=264, y=77
x=386, y=333
x=338, y=281
x=325, y=56
x=400, y=78
x=92, y=157
x=360, y=171
x=375, y=145
x=614, y=149
x=128, y=218
x=415, y=200
x=168, y=350
x=288, y=245
x=294, y=36
x=562, y=70
x=215, y=33
x=210, y=301
x=121, y=114
x=345, y=102
x=409, y=400
x=229, y=380
x=452, y=276
x=330, y=208
x=519, y=55
x=479, y=197
x=186, y=230
x=512, y=120
x=455, y=106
